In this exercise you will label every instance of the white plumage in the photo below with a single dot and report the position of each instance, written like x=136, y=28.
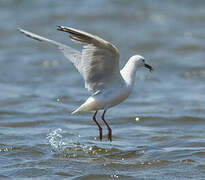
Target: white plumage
x=98, y=63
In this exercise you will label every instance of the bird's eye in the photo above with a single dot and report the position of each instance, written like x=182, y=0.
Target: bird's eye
x=143, y=60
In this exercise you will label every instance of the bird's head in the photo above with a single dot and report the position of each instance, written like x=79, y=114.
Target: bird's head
x=140, y=61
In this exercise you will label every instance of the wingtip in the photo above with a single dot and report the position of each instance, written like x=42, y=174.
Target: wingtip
x=60, y=28
x=64, y=29
x=20, y=30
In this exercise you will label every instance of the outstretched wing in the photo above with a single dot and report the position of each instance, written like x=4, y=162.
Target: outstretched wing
x=100, y=60
x=73, y=55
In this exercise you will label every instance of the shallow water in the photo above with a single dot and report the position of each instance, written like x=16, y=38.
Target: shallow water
x=158, y=133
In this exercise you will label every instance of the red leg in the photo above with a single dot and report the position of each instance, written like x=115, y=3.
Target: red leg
x=108, y=127
x=100, y=129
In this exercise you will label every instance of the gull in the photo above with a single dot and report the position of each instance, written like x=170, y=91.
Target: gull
x=98, y=63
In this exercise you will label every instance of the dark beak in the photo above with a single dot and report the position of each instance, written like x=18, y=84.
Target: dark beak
x=148, y=67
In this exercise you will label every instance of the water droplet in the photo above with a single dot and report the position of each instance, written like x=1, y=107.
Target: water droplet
x=55, y=139
x=137, y=119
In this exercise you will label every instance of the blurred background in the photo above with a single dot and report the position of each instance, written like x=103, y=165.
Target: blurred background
x=158, y=133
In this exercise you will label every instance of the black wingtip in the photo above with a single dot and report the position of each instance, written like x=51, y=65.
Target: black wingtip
x=58, y=28
x=61, y=28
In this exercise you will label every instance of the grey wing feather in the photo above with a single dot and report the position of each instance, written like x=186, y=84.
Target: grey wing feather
x=100, y=60
x=73, y=55
x=99, y=67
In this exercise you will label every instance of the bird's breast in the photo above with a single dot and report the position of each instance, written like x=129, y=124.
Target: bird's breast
x=112, y=97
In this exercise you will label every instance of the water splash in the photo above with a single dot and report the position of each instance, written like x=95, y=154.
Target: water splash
x=73, y=148
x=68, y=147
x=55, y=139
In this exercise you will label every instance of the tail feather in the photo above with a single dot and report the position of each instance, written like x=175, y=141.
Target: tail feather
x=89, y=105
x=76, y=111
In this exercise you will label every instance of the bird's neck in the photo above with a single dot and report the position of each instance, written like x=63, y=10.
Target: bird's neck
x=128, y=73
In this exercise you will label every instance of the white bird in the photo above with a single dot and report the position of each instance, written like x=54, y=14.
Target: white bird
x=98, y=63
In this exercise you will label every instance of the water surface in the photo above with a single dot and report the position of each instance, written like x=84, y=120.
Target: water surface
x=158, y=133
